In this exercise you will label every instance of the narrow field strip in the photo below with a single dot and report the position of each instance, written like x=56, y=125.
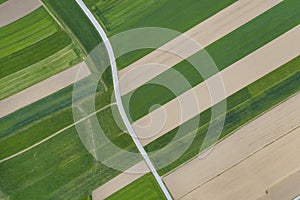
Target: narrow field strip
x=287, y=187
x=37, y=72
x=235, y=77
x=42, y=89
x=245, y=142
x=153, y=13
x=33, y=49
x=120, y=181
x=255, y=174
x=39, y=26
x=34, y=53
x=13, y=10
x=204, y=33
x=57, y=133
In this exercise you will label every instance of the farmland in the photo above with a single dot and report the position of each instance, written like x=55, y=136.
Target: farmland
x=52, y=158
x=224, y=52
x=27, y=46
x=243, y=106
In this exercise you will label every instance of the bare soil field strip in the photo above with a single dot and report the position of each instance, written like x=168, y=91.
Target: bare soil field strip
x=204, y=33
x=287, y=188
x=251, y=178
x=232, y=150
x=13, y=10
x=235, y=77
x=120, y=181
x=42, y=89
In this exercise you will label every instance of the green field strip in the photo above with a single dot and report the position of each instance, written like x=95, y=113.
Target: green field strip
x=76, y=23
x=224, y=52
x=34, y=53
x=15, y=37
x=242, y=107
x=23, y=22
x=32, y=49
x=143, y=188
x=176, y=15
x=39, y=71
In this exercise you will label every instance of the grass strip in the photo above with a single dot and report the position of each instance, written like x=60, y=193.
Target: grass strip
x=34, y=53
x=39, y=71
x=30, y=29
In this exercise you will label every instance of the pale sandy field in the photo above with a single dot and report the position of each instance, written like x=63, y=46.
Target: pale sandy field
x=251, y=178
x=43, y=89
x=13, y=10
x=258, y=157
x=204, y=34
x=286, y=188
